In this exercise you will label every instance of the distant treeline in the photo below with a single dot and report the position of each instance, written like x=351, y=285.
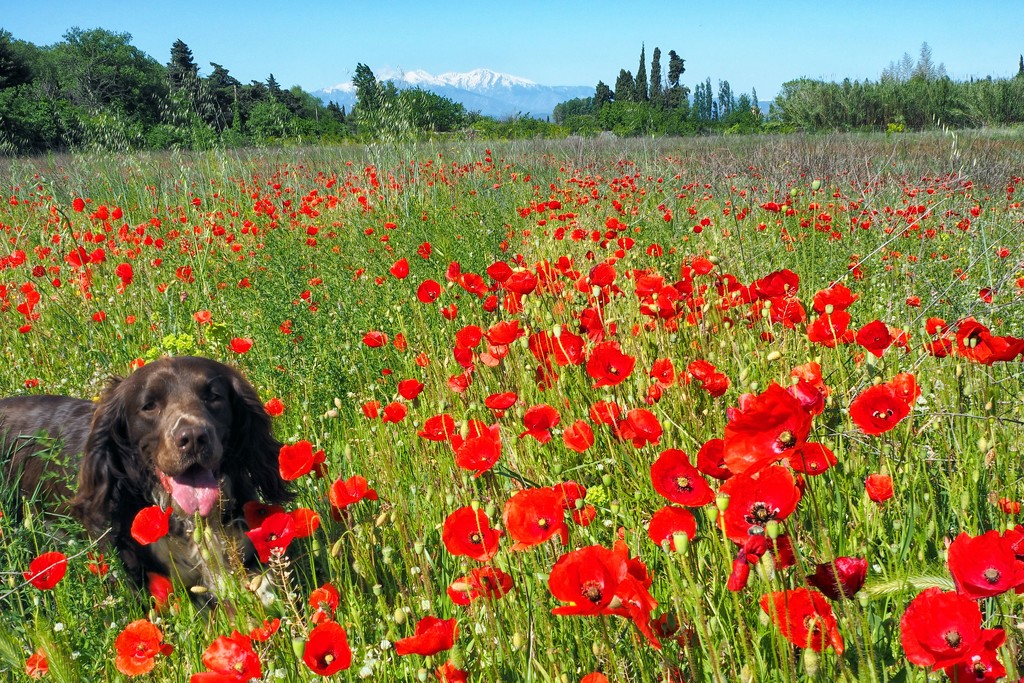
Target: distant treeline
x=909, y=96
x=95, y=90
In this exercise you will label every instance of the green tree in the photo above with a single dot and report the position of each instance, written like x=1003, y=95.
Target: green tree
x=1020, y=68
x=726, y=101
x=182, y=71
x=676, y=68
x=223, y=90
x=97, y=69
x=624, y=88
x=431, y=112
x=640, y=84
x=655, y=89
x=602, y=95
x=14, y=70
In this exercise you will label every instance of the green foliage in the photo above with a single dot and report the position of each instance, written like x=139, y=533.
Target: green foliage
x=916, y=103
x=625, y=89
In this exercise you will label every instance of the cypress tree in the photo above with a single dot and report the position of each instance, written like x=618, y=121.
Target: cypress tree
x=624, y=88
x=655, y=86
x=602, y=95
x=640, y=85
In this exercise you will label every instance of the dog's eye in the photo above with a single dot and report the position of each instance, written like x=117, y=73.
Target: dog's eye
x=213, y=398
x=148, y=406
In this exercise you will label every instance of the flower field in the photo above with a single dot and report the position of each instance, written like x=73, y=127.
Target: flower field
x=587, y=410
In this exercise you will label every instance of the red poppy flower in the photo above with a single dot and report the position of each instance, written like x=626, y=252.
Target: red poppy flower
x=879, y=487
x=780, y=283
x=467, y=532
x=449, y=673
x=877, y=409
x=137, y=647
x=274, y=407
x=482, y=582
x=812, y=458
x=409, y=389
x=504, y=332
x=394, y=412
x=710, y=459
x=840, y=578
x=438, y=428
x=241, y=345
x=805, y=618
x=479, y=453
x=838, y=296
x=349, y=491
x=297, y=459
x=605, y=412
x=809, y=387
x=587, y=579
x=371, y=410
x=160, y=588
x=905, y=387
x=150, y=524
x=578, y=436
x=984, y=566
x=37, y=666
x=532, y=516
x=47, y=570
x=940, y=629
x=669, y=521
x=830, y=329
x=675, y=478
x=539, y=420
x=764, y=429
x=608, y=365
x=976, y=342
x=273, y=535
x=432, y=635
x=325, y=598
x=640, y=426
x=230, y=659
x=306, y=522
x=266, y=630
x=756, y=499
x=663, y=372
x=400, y=268
x=981, y=665
x=499, y=403
x=375, y=339
x=561, y=344
x=327, y=651
x=428, y=291
x=874, y=337
x=78, y=204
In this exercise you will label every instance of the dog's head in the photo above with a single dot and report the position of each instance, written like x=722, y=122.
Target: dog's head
x=186, y=430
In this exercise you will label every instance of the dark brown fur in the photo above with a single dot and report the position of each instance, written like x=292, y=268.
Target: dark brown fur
x=169, y=418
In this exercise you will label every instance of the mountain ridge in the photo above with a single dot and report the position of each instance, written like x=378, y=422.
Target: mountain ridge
x=491, y=93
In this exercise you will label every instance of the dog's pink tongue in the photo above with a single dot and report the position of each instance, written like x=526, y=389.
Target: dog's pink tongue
x=193, y=490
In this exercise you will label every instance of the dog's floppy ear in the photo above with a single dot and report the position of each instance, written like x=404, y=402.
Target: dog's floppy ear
x=252, y=451
x=105, y=466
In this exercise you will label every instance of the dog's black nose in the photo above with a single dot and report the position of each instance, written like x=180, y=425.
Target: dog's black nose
x=191, y=439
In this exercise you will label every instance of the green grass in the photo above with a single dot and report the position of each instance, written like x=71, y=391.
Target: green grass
x=252, y=220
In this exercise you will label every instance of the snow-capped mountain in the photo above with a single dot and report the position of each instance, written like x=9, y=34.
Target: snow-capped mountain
x=488, y=92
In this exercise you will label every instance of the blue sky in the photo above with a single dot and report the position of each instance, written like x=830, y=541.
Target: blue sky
x=750, y=44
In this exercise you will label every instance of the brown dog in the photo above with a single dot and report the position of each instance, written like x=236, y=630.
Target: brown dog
x=185, y=432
